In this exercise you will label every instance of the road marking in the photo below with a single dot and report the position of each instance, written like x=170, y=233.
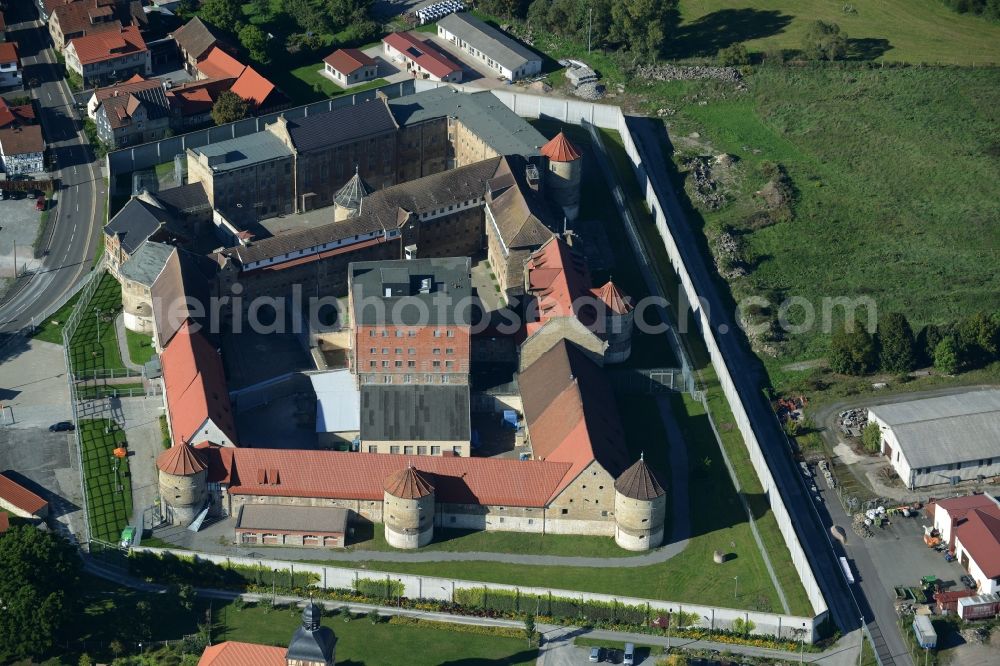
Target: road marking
x=78, y=207
x=74, y=171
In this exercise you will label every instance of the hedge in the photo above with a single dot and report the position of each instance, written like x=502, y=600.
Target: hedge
x=379, y=588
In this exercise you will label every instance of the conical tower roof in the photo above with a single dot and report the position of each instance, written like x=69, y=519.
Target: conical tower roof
x=638, y=482
x=617, y=300
x=559, y=149
x=408, y=483
x=351, y=194
x=180, y=460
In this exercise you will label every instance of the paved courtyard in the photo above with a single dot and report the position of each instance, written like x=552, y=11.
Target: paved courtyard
x=18, y=228
x=34, y=395
x=140, y=420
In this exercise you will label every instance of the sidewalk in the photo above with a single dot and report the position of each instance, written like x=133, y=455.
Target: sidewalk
x=842, y=653
x=123, y=344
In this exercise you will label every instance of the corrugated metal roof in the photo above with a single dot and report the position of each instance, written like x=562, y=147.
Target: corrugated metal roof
x=947, y=429
x=492, y=42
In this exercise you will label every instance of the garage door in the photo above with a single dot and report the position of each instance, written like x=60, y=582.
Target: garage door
x=272, y=539
x=310, y=540
x=331, y=542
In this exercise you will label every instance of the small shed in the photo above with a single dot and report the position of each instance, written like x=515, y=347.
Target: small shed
x=979, y=607
x=350, y=66
x=20, y=501
x=924, y=631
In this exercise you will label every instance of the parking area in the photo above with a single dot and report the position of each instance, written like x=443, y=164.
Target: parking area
x=19, y=220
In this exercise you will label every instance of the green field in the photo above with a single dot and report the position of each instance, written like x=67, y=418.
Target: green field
x=897, y=179
x=115, y=613
x=902, y=30
x=51, y=329
x=94, y=345
x=109, y=490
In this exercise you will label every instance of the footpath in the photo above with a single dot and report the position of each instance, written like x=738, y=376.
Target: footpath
x=554, y=637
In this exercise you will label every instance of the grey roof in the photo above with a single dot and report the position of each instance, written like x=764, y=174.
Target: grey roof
x=422, y=292
x=196, y=37
x=244, y=151
x=522, y=216
x=338, y=401
x=945, y=430
x=639, y=482
x=492, y=42
x=353, y=191
x=292, y=518
x=312, y=643
x=136, y=222
x=341, y=125
x=147, y=262
x=184, y=199
x=116, y=108
x=482, y=112
x=415, y=413
x=294, y=241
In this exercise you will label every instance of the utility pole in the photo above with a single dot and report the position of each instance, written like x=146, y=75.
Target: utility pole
x=97, y=311
x=861, y=651
x=736, y=590
x=590, y=23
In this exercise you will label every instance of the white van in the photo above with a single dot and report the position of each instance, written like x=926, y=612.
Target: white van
x=629, y=654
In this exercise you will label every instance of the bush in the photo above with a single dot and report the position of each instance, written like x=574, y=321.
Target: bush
x=824, y=41
x=871, y=437
x=379, y=588
x=734, y=56
x=895, y=344
x=852, y=352
x=946, y=356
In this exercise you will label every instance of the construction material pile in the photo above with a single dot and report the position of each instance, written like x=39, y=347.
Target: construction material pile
x=861, y=527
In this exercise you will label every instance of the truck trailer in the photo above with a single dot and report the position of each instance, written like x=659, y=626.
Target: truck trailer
x=924, y=631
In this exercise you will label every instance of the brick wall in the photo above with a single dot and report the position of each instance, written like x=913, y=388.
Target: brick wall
x=403, y=351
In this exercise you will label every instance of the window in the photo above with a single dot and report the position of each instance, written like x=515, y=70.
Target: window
x=371, y=333
x=449, y=351
x=436, y=351
x=564, y=511
x=373, y=364
x=399, y=334
x=372, y=448
x=436, y=364
x=393, y=449
x=421, y=450
x=457, y=450
x=449, y=364
x=408, y=450
x=374, y=350
x=385, y=350
x=604, y=514
x=411, y=364
x=399, y=364
x=411, y=351
x=437, y=333
x=501, y=519
x=435, y=450
x=451, y=333
x=385, y=364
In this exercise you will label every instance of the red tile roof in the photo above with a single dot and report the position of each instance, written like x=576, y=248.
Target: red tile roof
x=195, y=384
x=422, y=53
x=17, y=495
x=8, y=52
x=197, y=97
x=617, y=300
x=959, y=507
x=570, y=411
x=22, y=140
x=4, y=523
x=342, y=475
x=559, y=149
x=3, y=23
x=108, y=45
x=408, y=483
x=181, y=460
x=559, y=279
x=253, y=87
x=77, y=17
x=23, y=114
x=220, y=65
x=134, y=84
x=980, y=535
x=348, y=61
x=233, y=653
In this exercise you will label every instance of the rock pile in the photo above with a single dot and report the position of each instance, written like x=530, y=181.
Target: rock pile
x=589, y=91
x=705, y=190
x=667, y=72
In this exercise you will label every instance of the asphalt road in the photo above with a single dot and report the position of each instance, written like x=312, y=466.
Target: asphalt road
x=74, y=227
x=846, y=604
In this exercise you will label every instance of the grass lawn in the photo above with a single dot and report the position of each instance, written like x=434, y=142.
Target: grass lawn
x=903, y=30
x=453, y=540
x=94, y=345
x=109, y=492
x=140, y=347
x=897, y=184
x=51, y=329
x=300, y=84
x=106, y=390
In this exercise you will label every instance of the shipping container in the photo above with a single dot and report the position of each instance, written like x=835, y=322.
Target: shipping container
x=979, y=607
x=924, y=631
x=846, y=568
x=947, y=602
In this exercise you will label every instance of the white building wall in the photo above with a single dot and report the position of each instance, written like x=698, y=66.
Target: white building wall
x=986, y=585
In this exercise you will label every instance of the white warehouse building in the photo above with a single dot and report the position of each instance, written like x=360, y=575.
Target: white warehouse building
x=942, y=440
x=490, y=46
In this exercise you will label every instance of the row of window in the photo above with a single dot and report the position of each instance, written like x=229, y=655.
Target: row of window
x=411, y=333
x=985, y=462
x=442, y=378
x=409, y=364
x=412, y=351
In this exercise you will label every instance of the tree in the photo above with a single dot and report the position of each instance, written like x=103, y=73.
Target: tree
x=734, y=55
x=852, y=352
x=824, y=41
x=85, y=660
x=979, y=338
x=254, y=41
x=641, y=25
x=895, y=344
x=228, y=108
x=947, y=358
x=261, y=8
x=186, y=8
x=345, y=12
x=225, y=14
x=185, y=596
x=529, y=628
x=38, y=590
x=926, y=342
x=117, y=648
x=871, y=437
x=308, y=17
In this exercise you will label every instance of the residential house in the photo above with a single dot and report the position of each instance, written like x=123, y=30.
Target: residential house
x=10, y=65
x=218, y=64
x=191, y=102
x=109, y=56
x=195, y=39
x=257, y=91
x=420, y=58
x=22, y=149
x=135, y=117
x=350, y=66
x=70, y=20
x=20, y=501
x=135, y=84
x=15, y=116
x=492, y=47
x=970, y=526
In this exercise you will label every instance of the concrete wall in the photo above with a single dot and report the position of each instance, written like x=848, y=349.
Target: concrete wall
x=430, y=587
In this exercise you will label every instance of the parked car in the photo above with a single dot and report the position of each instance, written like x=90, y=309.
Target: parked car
x=40, y=203
x=596, y=655
x=62, y=426
x=969, y=582
x=629, y=659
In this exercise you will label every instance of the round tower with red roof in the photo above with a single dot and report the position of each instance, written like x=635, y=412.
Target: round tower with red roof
x=564, y=174
x=618, y=322
x=183, y=484
x=408, y=509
